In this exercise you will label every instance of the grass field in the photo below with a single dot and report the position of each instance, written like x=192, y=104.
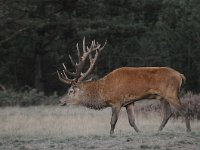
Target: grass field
x=54, y=127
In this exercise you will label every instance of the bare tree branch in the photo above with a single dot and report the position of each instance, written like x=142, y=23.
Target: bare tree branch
x=13, y=36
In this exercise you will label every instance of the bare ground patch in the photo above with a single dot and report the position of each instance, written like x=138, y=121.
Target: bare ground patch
x=165, y=141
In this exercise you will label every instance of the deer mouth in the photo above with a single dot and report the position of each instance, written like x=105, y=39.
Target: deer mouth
x=62, y=103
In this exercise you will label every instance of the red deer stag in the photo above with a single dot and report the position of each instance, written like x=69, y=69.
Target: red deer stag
x=122, y=87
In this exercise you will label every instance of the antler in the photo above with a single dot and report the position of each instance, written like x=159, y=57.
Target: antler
x=87, y=51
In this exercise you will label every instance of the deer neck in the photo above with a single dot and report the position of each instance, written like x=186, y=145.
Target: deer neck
x=91, y=95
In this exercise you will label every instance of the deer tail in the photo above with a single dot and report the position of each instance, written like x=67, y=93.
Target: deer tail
x=183, y=78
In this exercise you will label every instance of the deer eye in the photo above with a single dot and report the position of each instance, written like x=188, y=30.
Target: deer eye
x=71, y=91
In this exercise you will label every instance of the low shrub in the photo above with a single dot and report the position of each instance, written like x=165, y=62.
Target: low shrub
x=30, y=97
x=190, y=101
x=193, y=102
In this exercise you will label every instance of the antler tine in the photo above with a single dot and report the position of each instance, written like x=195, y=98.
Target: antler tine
x=65, y=76
x=72, y=61
x=93, y=44
x=92, y=64
x=90, y=56
x=78, y=51
x=103, y=45
x=63, y=79
x=67, y=71
x=64, y=66
x=93, y=47
x=84, y=51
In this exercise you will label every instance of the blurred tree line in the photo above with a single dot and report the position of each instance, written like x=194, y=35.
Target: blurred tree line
x=37, y=36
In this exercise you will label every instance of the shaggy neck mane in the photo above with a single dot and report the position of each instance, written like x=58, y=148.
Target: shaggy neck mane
x=91, y=97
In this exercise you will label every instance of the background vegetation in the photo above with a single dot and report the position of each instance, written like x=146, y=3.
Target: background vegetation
x=37, y=36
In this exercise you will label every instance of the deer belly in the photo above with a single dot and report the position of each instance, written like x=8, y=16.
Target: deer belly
x=130, y=98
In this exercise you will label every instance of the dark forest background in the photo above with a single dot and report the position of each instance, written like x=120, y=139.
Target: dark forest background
x=36, y=37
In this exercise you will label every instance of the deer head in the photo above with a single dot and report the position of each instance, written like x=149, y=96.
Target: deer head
x=75, y=92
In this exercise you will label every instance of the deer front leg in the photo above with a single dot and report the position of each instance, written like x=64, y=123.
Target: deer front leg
x=131, y=118
x=114, y=118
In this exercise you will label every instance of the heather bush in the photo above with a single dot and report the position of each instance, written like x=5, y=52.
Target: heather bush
x=193, y=101
x=29, y=97
x=190, y=101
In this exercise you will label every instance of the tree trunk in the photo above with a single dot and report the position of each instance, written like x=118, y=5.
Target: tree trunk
x=39, y=84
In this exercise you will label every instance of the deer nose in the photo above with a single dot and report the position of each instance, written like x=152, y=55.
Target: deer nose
x=62, y=103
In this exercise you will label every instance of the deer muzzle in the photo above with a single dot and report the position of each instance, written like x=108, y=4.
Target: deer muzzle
x=62, y=103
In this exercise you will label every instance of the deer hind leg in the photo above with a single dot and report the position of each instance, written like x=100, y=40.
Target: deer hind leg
x=183, y=111
x=131, y=119
x=114, y=118
x=167, y=113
